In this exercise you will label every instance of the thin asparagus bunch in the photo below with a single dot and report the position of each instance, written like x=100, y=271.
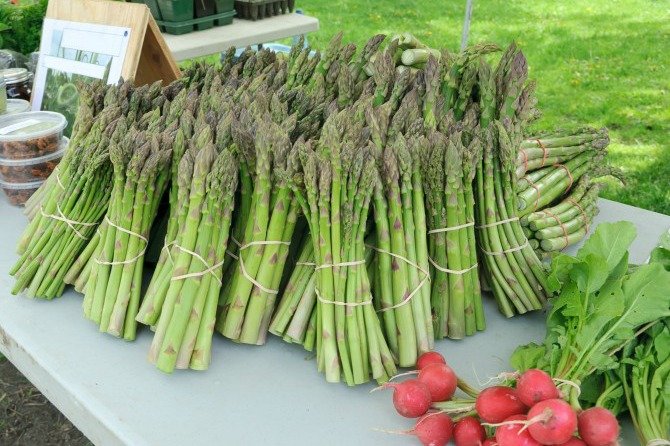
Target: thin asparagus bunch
x=91, y=101
x=401, y=288
x=403, y=296
x=576, y=194
x=546, y=150
x=69, y=214
x=556, y=182
x=333, y=181
x=178, y=198
x=140, y=106
x=514, y=272
x=456, y=295
x=185, y=328
x=80, y=270
x=154, y=298
x=141, y=172
x=566, y=223
x=269, y=229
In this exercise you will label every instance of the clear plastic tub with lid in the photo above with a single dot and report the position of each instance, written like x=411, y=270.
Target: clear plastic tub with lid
x=19, y=193
x=30, y=134
x=32, y=169
x=17, y=106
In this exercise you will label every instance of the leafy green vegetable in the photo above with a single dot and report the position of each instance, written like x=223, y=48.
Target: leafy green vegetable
x=600, y=306
x=645, y=375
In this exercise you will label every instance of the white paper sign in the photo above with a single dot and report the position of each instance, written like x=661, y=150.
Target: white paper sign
x=71, y=52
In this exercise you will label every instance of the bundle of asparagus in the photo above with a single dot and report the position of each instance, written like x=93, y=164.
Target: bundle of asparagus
x=91, y=103
x=564, y=224
x=556, y=148
x=80, y=271
x=141, y=174
x=70, y=211
x=269, y=228
x=185, y=327
x=333, y=180
x=544, y=186
x=514, y=272
x=450, y=168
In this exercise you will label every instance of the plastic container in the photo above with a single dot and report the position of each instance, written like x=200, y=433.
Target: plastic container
x=17, y=106
x=19, y=193
x=33, y=169
x=188, y=26
x=204, y=8
x=19, y=83
x=31, y=134
x=261, y=9
x=221, y=7
x=185, y=16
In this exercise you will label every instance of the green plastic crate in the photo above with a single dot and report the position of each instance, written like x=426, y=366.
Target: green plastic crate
x=185, y=16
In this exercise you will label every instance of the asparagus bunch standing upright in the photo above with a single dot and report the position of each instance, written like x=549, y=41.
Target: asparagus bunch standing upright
x=185, y=327
x=141, y=174
x=515, y=273
x=333, y=182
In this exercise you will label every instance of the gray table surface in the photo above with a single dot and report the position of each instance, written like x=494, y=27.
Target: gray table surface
x=270, y=395
x=239, y=34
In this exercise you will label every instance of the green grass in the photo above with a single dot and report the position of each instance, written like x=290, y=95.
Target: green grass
x=599, y=63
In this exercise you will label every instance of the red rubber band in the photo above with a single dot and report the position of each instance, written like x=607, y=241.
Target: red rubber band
x=581, y=210
x=539, y=193
x=565, y=231
x=525, y=160
x=544, y=152
x=564, y=167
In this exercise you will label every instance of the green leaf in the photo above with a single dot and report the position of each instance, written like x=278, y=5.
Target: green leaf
x=610, y=241
x=661, y=342
x=645, y=298
x=661, y=256
x=561, y=265
x=590, y=274
x=527, y=356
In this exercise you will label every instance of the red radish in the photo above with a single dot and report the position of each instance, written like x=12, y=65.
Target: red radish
x=411, y=398
x=434, y=429
x=511, y=434
x=440, y=380
x=496, y=403
x=490, y=442
x=535, y=385
x=429, y=358
x=552, y=421
x=574, y=441
x=469, y=432
x=598, y=427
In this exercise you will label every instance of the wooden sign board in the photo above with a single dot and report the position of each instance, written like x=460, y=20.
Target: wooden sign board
x=147, y=57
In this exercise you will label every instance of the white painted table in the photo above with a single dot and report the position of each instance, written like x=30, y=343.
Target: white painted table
x=239, y=34
x=270, y=395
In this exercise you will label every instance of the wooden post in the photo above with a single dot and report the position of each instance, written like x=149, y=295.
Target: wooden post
x=466, y=24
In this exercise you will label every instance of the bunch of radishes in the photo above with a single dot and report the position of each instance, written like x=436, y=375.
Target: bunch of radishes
x=530, y=414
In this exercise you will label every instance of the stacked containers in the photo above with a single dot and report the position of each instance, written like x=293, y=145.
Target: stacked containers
x=31, y=145
x=261, y=9
x=185, y=16
x=17, y=106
